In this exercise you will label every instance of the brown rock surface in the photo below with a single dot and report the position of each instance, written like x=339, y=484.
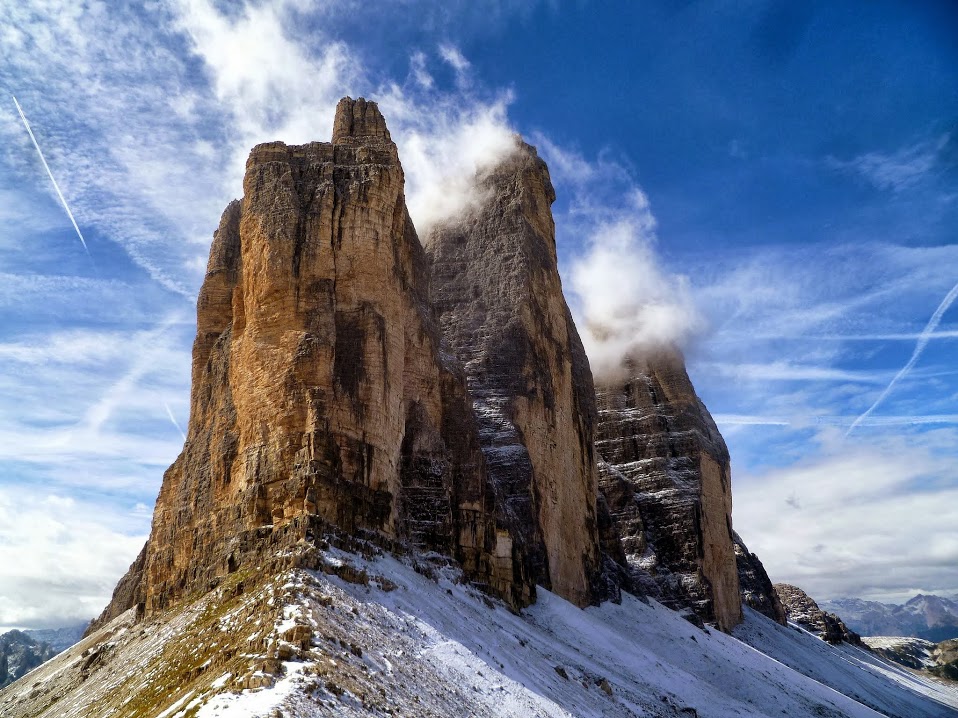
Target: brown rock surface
x=656, y=434
x=319, y=398
x=755, y=585
x=802, y=609
x=496, y=288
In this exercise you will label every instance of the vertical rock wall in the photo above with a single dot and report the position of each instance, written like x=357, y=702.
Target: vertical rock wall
x=676, y=524
x=496, y=288
x=318, y=388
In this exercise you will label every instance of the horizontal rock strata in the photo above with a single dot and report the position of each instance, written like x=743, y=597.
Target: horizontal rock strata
x=496, y=288
x=676, y=526
x=319, y=392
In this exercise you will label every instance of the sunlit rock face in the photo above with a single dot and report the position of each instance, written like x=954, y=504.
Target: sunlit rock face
x=347, y=380
x=319, y=392
x=676, y=526
x=497, y=292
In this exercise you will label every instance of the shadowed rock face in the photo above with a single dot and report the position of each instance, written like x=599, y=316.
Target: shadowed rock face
x=319, y=394
x=655, y=434
x=496, y=289
x=757, y=590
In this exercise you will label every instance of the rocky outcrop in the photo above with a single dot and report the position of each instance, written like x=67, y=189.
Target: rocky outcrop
x=945, y=656
x=320, y=399
x=801, y=609
x=755, y=585
x=496, y=289
x=915, y=653
x=335, y=390
x=674, y=516
x=938, y=659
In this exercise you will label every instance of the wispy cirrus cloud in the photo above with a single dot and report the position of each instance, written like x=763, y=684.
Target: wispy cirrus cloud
x=787, y=371
x=730, y=420
x=82, y=423
x=899, y=170
x=923, y=340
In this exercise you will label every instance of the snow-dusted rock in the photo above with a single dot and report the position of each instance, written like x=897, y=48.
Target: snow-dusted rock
x=655, y=433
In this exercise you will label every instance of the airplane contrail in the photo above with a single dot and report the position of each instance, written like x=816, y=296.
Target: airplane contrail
x=50, y=175
x=923, y=340
x=173, y=419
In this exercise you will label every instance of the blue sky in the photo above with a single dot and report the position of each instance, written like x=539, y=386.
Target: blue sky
x=773, y=185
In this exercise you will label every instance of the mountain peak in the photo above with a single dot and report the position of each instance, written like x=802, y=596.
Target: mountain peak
x=358, y=121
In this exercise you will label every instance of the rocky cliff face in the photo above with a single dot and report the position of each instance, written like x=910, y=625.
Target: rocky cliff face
x=335, y=390
x=945, y=656
x=496, y=288
x=320, y=398
x=801, y=609
x=758, y=593
x=675, y=522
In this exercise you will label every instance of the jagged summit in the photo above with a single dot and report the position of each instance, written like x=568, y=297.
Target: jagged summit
x=358, y=122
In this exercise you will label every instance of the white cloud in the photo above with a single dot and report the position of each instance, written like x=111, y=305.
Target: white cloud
x=271, y=86
x=417, y=68
x=86, y=408
x=276, y=88
x=898, y=170
x=876, y=518
x=68, y=553
x=788, y=371
x=442, y=149
x=734, y=420
x=625, y=303
x=455, y=58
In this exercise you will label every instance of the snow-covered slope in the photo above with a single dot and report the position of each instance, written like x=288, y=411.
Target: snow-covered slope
x=411, y=640
x=906, y=650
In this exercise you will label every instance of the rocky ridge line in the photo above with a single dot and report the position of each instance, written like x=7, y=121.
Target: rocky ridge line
x=802, y=609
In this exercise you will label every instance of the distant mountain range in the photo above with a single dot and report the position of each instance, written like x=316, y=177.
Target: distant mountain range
x=934, y=618
x=22, y=651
